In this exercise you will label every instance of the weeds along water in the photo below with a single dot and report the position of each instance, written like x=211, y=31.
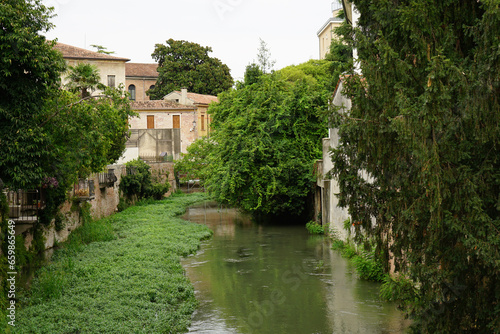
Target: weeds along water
x=121, y=274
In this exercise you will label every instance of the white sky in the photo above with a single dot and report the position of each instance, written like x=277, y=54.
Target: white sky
x=232, y=28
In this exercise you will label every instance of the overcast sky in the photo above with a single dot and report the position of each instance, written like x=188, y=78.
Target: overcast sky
x=232, y=28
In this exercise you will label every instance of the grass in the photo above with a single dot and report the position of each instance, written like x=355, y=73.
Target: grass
x=121, y=274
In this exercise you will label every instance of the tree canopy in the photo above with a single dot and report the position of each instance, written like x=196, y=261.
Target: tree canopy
x=44, y=130
x=425, y=127
x=267, y=136
x=183, y=64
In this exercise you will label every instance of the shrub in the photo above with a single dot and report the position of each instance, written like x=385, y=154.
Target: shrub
x=139, y=182
x=315, y=228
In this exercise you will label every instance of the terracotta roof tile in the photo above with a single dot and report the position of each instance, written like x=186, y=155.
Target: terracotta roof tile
x=72, y=52
x=141, y=70
x=157, y=104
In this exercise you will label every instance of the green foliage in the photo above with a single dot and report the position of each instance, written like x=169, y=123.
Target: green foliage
x=183, y=64
x=315, y=228
x=139, y=182
x=29, y=75
x=193, y=165
x=367, y=265
x=84, y=79
x=46, y=132
x=267, y=137
x=126, y=268
x=425, y=126
x=252, y=74
x=399, y=289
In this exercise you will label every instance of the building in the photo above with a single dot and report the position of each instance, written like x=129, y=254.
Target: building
x=139, y=79
x=326, y=201
x=111, y=68
x=201, y=102
x=326, y=33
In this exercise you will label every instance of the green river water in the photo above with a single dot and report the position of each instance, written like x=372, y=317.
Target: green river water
x=252, y=278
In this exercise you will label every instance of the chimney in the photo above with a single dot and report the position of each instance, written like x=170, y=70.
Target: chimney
x=183, y=99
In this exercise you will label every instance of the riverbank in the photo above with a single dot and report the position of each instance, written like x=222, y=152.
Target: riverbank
x=121, y=274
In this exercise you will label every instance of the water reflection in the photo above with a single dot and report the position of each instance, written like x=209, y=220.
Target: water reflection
x=251, y=278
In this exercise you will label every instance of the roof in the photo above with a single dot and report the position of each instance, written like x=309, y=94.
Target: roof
x=200, y=98
x=330, y=21
x=72, y=52
x=157, y=105
x=141, y=70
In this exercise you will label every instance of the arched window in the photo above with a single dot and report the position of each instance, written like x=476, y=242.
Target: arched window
x=131, y=91
x=152, y=87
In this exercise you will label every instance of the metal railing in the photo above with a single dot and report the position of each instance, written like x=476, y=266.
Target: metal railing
x=84, y=190
x=25, y=205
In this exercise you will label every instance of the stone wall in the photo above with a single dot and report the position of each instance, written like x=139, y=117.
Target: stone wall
x=103, y=204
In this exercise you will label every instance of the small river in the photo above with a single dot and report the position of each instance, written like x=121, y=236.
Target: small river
x=252, y=278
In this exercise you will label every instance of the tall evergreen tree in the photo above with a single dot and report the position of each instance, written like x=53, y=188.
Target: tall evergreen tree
x=425, y=126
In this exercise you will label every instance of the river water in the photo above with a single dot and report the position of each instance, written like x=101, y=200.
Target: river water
x=252, y=278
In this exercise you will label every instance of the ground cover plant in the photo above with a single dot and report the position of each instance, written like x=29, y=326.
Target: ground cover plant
x=121, y=274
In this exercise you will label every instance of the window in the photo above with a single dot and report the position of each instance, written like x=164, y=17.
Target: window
x=131, y=91
x=152, y=87
x=176, y=121
x=111, y=81
x=151, y=122
x=202, y=122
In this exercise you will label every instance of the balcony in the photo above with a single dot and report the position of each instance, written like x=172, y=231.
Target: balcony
x=107, y=179
x=84, y=190
x=25, y=205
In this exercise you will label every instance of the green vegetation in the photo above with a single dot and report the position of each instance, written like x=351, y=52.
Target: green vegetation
x=183, y=64
x=193, y=164
x=366, y=264
x=266, y=137
x=425, y=126
x=315, y=228
x=139, y=183
x=120, y=274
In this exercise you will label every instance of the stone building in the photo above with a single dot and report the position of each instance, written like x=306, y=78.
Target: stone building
x=111, y=68
x=139, y=79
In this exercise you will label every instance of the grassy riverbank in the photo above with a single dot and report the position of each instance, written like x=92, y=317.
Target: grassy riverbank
x=120, y=274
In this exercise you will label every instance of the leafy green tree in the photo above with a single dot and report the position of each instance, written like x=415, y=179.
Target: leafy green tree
x=267, y=137
x=46, y=132
x=183, y=64
x=252, y=74
x=29, y=76
x=84, y=78
x=425, y=127
x=193, y=165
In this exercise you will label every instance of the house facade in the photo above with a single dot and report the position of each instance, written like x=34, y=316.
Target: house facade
x=111, y=68
x=326, y=200
x=139, y=78
x=326, y=33
x=201, y=102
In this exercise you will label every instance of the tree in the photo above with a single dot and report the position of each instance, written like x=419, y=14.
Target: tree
x=266, y=137
x=29, y=76
x=193, y=165
x=183, y=64
x=46, y=132
x=84, y=78
x=264, y=57
x=102, y=49
x=425, y=126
